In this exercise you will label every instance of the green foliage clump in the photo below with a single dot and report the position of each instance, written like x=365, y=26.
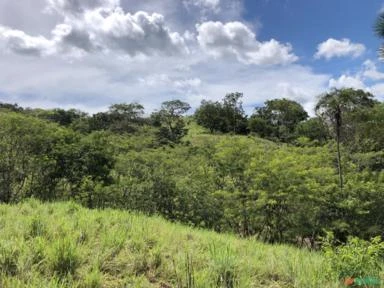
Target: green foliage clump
x=63, y=257
x=277, y=119
x=355, y=259
x=226, y=116
x=9, y=255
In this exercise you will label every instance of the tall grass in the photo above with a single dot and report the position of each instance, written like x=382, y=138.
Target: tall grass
x=65, y=245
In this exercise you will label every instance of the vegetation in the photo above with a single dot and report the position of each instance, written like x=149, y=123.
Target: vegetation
x=278, y=119
x=275, y=177
x=282, y=191
x=65, y=245
x=333, y=106
x=225, y=117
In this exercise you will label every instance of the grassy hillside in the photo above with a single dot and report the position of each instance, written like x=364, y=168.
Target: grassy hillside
x=65, y=245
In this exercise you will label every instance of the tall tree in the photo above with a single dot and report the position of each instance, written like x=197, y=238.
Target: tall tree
x=225, y=116
x=333, y=106
x=234, y=113
x=125, y=117
x=379, y=30
x=209, y=115
x=278, y=118
x=170, y=119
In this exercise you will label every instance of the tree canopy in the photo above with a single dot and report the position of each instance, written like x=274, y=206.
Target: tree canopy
x=277, y=119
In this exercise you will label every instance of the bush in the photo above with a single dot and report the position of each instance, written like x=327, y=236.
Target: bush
x=356, y=259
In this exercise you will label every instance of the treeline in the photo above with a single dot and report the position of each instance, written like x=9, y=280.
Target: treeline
x=294, y=187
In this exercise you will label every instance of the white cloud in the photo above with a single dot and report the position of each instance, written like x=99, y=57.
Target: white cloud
x=95, y=82
x=347, y=81
x=371, y=72
x=205, y=5
x=174, y=84
x=368, y=78
x=236, y=39
x=122, y=59
x=77, y=7
x=339, y=48
x=378, y=91
x=19, y=42
x=139, y=33
x=99, y=29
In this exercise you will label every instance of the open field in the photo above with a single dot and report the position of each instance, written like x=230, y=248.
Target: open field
x=65, y=245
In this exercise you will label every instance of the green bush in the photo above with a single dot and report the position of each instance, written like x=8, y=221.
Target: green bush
x=357, y=258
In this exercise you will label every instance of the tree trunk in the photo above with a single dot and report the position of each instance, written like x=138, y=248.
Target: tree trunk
x=338, y=132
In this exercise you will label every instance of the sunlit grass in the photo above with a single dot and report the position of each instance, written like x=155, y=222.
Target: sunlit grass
x=65, y=245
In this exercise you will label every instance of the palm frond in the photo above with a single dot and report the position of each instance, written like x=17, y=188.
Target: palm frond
x=379, y=26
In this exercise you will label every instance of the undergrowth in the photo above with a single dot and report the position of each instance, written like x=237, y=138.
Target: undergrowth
x=65, y=245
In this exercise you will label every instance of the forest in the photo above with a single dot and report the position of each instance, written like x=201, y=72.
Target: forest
x=277, y=175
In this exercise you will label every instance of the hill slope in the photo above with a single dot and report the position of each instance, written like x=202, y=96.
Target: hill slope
x=65, y=245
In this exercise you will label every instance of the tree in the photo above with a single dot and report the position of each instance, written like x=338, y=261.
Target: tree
x=367, y=132
x=209, y=116
x=171, y=122
x=277, y=119
x=225, y=116
x=234, y=179
x=11, y=107
x=120, y=118
x=234, y=113
x=125, y=117
x=48, y=161
x=379, y=30
x=333, y=106
x=132, y=111
x=313, y=129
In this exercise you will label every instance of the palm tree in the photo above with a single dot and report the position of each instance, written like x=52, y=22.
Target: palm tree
x=332, y=106
x=379, y=30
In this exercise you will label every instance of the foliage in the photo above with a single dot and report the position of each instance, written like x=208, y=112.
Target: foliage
x=46, y=161
x=120, y=118
x=313, y=129
x=379, y=30
x=112, y=248
x=333, y=107
x=225, y=116
x=277, y=119
x=171, y=122
x=229, y=183
x=365, y=130
x=356, y=259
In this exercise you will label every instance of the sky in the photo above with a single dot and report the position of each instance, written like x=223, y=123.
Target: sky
x=89, y=54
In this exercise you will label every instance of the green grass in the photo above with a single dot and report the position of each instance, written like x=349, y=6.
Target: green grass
x=65, y=245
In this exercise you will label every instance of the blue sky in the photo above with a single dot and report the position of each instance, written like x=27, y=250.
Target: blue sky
x=89, y=54
x=306, y=23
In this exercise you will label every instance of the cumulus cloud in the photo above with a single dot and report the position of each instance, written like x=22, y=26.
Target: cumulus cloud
x=123, y=51
x=99, y=29
x=139, y=33
x=347, y=81
x=19, y=42
x=371, y=72
x=368, y=78
x=339, y=48
x=236, y=39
